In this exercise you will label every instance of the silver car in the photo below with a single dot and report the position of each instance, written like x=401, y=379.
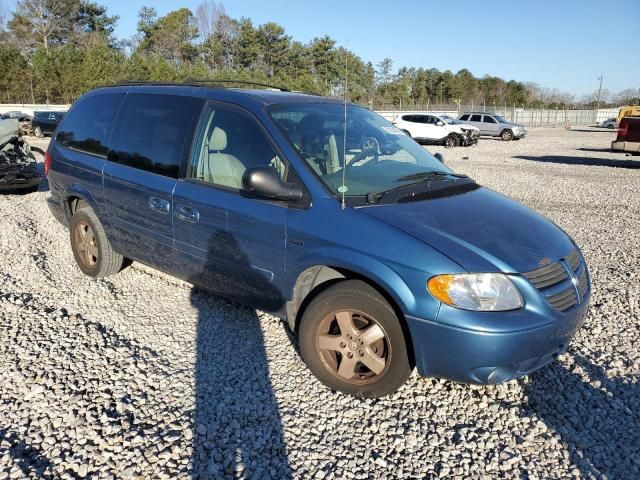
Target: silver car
x=609, y=123
x=494, y=125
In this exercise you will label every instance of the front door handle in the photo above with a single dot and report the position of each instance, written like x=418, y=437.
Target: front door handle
x=159, y=205
x=187, y=214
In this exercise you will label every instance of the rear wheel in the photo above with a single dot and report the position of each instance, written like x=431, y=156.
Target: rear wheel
x=506, y=135
x=37, y=131
x=352, y=341
x=91, y=248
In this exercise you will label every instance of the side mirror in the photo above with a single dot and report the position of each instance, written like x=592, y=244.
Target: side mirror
x=439, y=123
x=440, y=157
x=265, y=182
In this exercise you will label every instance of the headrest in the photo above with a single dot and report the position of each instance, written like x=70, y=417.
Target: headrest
x=218, y=139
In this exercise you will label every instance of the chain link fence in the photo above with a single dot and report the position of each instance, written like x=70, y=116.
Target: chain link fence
x=525, y=116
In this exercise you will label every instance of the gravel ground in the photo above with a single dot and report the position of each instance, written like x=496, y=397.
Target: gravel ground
x=141, y=376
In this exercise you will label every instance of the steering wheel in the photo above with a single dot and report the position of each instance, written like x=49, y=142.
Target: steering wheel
x=368, y=148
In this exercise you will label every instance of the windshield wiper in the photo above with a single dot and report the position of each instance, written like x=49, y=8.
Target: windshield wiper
x=429, y=174
x=422, y=177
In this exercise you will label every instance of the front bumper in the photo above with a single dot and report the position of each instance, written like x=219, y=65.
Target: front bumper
x=19, y=180
x=520, y=134
x=489, y=357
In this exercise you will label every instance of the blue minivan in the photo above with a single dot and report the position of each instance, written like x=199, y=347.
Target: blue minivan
x=379, y=257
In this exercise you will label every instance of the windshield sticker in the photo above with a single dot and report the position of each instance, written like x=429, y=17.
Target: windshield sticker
x=343, y=189
x=393, y=130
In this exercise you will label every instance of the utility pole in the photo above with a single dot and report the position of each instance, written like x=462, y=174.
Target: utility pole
x=599, y=92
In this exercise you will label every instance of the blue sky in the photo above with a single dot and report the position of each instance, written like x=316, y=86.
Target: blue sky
x=561, y=44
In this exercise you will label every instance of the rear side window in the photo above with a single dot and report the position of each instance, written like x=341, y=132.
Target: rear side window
x=476, y=118
x=88, y=126
x=464, y=117
x=488, y=119
x=151, y=132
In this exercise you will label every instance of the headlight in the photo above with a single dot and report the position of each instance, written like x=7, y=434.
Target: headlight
x=484, y=292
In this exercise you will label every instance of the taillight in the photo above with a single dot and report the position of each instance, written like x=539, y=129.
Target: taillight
x=622, y=130
x=47, y=163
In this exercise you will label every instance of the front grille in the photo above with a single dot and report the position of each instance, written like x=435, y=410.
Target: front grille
x=556, y=281
x=548, y=275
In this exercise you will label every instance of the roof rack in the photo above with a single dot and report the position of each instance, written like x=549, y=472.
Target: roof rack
x=200, y=83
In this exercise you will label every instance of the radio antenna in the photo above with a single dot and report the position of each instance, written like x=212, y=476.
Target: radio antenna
x=343, y=188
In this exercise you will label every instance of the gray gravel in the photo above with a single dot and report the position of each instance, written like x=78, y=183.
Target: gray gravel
x=141, y=376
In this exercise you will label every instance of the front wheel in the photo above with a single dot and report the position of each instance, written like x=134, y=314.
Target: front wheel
x=506, y=135
x=450, y=141
x=352, y=341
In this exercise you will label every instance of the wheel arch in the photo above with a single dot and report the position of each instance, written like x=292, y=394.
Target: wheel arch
x=315, y=279
x=75, y=196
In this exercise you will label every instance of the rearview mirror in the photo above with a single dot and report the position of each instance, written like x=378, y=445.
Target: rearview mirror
x=440, y=157
x=265, y=182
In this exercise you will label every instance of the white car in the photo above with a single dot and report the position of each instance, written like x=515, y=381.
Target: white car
x=609, y=123
x=436, y=129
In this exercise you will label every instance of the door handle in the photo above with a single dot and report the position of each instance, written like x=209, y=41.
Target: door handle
x=187, y=214
x=159, y=205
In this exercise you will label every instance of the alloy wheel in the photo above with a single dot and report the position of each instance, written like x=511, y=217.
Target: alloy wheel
x=353, y=346
x=86, y=244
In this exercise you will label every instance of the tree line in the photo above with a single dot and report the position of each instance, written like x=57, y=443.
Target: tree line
x=52, y=51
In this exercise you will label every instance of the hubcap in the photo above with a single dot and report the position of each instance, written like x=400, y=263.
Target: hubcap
x=86, y=245
x=353, y=346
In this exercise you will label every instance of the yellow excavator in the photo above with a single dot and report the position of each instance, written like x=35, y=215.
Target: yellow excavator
x=629, y=111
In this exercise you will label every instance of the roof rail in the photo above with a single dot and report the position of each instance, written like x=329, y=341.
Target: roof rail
x=199, y=83
x=241, y=82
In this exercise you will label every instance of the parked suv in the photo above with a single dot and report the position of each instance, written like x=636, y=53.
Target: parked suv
x=436, y=130
x=45, y=123
x=494, y=125
x=378, y=256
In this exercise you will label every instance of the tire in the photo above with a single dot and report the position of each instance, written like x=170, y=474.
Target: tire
x=450, y=141
x=37, y=131
x=348, y=321
x=611, y=127
x=506, y=135
x=92, y=250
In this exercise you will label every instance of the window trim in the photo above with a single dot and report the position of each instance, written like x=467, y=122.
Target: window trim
x=185, y=170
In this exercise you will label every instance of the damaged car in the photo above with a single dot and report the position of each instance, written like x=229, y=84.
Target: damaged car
x=431, y=129
x=18, y=166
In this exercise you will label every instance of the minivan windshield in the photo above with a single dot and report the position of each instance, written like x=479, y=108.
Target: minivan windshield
x=379, y=156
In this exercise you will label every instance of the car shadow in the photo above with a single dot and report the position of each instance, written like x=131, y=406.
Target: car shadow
x=588, y=161
x=594, y=130
x=237, y=429
x=604, y=149
x=578, y=403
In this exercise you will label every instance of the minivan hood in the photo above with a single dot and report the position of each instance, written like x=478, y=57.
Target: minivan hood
x=481, y=230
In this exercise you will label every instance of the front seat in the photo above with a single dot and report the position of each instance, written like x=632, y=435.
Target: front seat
x=222, y=168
